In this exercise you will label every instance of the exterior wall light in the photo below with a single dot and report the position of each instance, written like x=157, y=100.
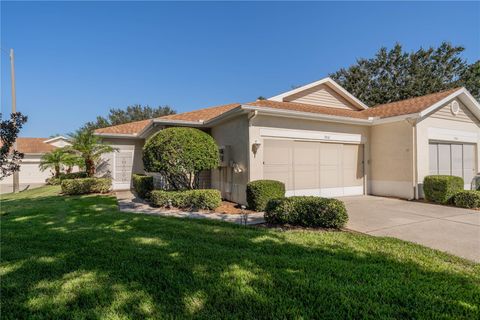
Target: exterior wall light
x=255, y=146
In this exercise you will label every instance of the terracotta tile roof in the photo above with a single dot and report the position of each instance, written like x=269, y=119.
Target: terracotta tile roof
x=408, y=106
x=202, y=114
x=301, y=107
x=126, y=128
x=412, y=105
x=33, y=145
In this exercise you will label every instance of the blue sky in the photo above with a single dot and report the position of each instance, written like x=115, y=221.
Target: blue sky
x=74, y=61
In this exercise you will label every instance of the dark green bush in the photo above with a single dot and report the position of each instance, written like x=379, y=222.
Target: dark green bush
x=198, y=199
x=307, y=211
x=180, y=154
x=142, y=185
x=441, y=189
x=72, y=175
x=259, y=192
x=467, y=199
x=86, y=185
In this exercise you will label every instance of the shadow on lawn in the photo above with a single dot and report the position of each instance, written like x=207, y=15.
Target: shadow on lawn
x=67, y=257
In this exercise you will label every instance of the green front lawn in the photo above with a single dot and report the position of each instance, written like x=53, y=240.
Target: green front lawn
x=79, y=257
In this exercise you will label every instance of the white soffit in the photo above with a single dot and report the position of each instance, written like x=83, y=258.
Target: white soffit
x=330, y=83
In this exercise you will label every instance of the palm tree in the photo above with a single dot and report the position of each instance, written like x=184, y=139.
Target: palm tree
x=53, y=160
x=89, y=148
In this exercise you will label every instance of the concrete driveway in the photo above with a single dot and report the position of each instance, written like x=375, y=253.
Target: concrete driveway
x=449, y=229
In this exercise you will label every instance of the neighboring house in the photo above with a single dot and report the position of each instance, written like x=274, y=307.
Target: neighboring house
x=320, y=140
x=30, y=175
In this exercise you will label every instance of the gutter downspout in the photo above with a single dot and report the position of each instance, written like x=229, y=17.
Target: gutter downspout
x=413, y=123
x=251, y=116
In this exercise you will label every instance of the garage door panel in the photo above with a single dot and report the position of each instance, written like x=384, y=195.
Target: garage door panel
x=469, y=159
x=278, y=162
x=305, y=165
x=444, y=163
x=433, y=158
x=314, y=168
x=277, y=152
x=457, y=160
x=454, y=159
x=352, y=165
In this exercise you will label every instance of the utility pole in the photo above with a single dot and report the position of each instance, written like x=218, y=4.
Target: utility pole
x=16, y=180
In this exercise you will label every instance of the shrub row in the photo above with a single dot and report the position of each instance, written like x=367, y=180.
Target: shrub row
x=86, y=185
x=467, y=199
x=198, y=199
x=261, y=191
x=72, y=175
x=307, y=211
x=449, y=190
x=142, y=185
x=441, y=189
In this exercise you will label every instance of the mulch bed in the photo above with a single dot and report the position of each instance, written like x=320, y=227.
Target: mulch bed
x=232, y=208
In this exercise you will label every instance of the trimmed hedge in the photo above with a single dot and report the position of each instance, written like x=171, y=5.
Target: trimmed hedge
x=86, y=185
x=198, y=199
x=441, y=189
x=467, y=199
x=307, y=211
x=142, y=185
x=259, y=192
x=72, y=175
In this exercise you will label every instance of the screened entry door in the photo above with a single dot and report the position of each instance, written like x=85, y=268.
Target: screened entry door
x=453, y=159
x=315, y=168
x=122, y=169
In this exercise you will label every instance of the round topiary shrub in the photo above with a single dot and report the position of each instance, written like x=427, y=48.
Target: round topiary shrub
x=467, y=199
x=307, y=211
x=259, y=192
x=180, y=154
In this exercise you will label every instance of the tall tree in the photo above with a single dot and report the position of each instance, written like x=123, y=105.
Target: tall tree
x=394, y=74
x=89, y=147
x=131, y=113
x=10, y=158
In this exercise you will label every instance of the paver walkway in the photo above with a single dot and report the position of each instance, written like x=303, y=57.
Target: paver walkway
x=127, y=202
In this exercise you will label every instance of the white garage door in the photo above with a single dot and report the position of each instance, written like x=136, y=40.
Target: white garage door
x=30, y=173
x=453, y=159
x=314, y=168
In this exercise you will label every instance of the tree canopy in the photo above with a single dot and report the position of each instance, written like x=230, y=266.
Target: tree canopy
x=9, y=129
x=394, y=74
x=132, y=113
x=180, y=154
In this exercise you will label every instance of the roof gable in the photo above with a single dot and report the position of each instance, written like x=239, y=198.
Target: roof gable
x=335, y=91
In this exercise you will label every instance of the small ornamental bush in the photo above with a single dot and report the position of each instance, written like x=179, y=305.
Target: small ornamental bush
x=142, y=185
x=307, y=211
x=259, y=192
x=86, y=185
x=199, y=199
x=467, y=199
x=441, y=189
x=180, y=154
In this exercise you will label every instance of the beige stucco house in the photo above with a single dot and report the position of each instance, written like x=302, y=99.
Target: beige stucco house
x=321, y=140
x=30, y=175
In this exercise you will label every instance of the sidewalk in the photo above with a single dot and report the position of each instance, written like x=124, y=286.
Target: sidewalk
x=127, y=202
